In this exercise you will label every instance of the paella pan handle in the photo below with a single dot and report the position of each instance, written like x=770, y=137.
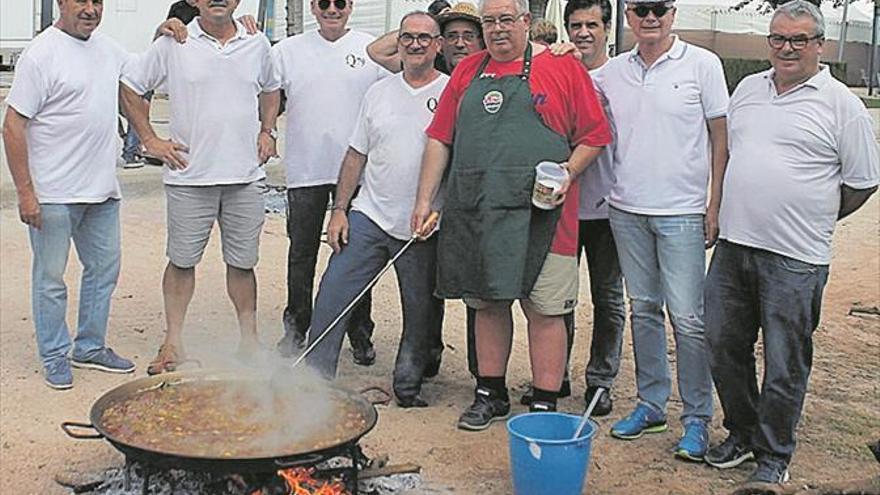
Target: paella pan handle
x=299, y=461
x=385, y=396
x=70, y=428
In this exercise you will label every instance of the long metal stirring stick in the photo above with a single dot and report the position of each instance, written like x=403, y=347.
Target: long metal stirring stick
x=586, y=416
x=431, y=219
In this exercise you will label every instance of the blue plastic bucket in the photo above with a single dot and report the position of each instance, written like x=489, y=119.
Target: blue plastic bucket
x=543, y=457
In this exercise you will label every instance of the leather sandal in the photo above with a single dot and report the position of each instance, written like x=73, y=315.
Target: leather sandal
x=167, y=359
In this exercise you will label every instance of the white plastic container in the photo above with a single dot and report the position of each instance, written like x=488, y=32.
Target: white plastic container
x=549, y=178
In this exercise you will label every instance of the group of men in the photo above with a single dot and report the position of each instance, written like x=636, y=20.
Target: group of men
x=451, y=113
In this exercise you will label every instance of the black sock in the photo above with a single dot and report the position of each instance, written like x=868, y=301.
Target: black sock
x=542, y=395
x=497, y=384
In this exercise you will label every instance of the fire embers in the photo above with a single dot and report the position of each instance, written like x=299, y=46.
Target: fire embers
x=300, y=481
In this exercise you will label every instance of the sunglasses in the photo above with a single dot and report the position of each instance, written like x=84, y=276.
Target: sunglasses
x=659, y=9
x=339, y=4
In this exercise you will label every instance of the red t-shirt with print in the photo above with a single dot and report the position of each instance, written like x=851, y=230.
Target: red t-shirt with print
x=564, y=97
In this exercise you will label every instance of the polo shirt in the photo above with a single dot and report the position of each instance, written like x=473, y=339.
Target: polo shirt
x=213, y=93
x=325, y=82
x=597, y=179
x=68, y=89
x=662, y=160
x=789, y=155
x=390, y=130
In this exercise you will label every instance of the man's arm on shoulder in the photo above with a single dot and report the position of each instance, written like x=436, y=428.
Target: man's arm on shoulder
x=383, y=51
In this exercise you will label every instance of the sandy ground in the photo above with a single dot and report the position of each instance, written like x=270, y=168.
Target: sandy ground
x=841, y=412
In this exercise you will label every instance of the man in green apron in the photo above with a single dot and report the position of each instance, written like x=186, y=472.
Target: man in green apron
x=504, y=111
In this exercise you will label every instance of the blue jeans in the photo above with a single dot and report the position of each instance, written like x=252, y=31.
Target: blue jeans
x=748, y=288
x=663, y=260
x=94, y=229
x=349, y=271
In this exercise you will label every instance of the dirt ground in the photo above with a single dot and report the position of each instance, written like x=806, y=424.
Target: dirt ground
x=841, y=412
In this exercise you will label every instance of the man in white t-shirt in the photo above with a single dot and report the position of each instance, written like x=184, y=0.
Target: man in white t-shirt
x=223, y=97
x=324, y=75
x=802, y=156
x=60, y=137
x=668, y=100
x=386, y=150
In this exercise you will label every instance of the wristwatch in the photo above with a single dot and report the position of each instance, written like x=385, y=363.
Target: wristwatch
x=271, y=132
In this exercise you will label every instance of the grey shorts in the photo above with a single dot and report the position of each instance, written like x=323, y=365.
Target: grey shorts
x=191, y=211
x=554, y=293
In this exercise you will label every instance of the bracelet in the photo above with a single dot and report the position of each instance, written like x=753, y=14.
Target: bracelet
x=337, y=207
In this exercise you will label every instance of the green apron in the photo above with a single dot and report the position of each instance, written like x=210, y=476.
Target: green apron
x=494, y=242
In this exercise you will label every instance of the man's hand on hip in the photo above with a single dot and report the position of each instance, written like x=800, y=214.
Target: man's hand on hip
x=167, y=151
x=337, y=230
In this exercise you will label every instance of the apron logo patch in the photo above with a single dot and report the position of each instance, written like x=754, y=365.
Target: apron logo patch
x=492, y=101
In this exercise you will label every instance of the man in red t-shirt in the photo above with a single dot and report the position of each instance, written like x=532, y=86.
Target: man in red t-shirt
x=503, y=111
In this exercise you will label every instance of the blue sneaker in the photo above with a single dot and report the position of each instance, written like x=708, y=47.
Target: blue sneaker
x=643, y=420
x=694, y=443
x=58, y=374
x=105, y=360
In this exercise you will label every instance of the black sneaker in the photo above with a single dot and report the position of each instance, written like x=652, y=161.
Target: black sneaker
x=541, y=406
x=487, y=407
x=729, y=454
x=769, y=472
x=414, y=401
x=362, y=352
x=529, y=396
x=605, y=404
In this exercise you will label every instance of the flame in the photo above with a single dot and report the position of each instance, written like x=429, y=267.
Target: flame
x=301, y=482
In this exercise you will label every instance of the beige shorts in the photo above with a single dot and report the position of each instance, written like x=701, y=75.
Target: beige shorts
x=554, y=293
x=192, y=210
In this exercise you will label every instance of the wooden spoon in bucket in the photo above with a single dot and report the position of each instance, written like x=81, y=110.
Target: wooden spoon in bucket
x=586, y=416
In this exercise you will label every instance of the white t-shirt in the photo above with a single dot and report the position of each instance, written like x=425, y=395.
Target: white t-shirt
x=597, y=179
x=789, y=155
x=213, y=93
x=324, y=82
x=67, y=88
x=390, y=130
x=661, y=158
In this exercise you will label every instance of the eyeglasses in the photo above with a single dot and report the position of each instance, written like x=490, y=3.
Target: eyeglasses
x=798, y=42
x=659, y=9
x=503, y=22
x=424, y=39
x=467, y=37
x=339, y=4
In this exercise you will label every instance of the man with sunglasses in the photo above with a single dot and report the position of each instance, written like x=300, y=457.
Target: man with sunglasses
x=324, y=74
x=385, y=153
x=504, y=111
x=461, y=36
x=802, y=156
x=668, y=100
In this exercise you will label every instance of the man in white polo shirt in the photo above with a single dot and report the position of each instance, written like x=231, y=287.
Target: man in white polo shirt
x=668, y=100
x=802, y=156
x=386, y=150
x=60, y=139
x=224, y=98
x=324, y=75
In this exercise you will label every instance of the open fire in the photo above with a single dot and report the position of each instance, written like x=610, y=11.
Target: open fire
x=300, y=481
